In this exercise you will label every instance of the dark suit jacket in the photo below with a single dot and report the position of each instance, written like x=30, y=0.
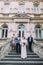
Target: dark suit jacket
x=29, y=39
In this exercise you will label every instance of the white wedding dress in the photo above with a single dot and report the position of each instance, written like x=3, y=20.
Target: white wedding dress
x=23, y=48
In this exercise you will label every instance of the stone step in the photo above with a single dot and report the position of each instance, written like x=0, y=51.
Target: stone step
x=18, y=56
x=19, y=59
x=15, y=59
x=21, y=64
x=18, y=62
x=14, y=53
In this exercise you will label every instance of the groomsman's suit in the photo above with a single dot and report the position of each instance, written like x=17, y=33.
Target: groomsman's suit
x=18, y=47
x=30, y=41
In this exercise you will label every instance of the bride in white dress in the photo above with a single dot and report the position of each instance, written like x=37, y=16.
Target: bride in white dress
x=23, y=48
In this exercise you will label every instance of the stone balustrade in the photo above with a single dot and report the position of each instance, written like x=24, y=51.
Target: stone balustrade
x=4, y=49
x=38, y=48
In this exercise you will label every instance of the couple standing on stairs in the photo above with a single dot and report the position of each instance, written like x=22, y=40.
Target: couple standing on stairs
x=21, y=45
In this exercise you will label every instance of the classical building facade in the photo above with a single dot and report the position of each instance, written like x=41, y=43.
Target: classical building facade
x=21, y=17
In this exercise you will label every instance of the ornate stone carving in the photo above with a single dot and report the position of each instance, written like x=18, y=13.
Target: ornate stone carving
x=21, y=16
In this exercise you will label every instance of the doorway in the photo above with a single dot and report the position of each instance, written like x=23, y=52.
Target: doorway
x=21, y=30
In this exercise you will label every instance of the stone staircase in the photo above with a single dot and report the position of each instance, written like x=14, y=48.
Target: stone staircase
x=15, y=59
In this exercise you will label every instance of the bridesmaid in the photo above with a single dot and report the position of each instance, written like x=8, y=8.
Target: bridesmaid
x=13, y=41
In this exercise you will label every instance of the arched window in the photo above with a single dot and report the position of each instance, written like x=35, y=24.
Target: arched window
x=38, y=31
x=4, y=31
x=21, y=29
x=36, y=8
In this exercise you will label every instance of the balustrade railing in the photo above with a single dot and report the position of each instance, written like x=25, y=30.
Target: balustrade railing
x=38, y=48
x=4, y=49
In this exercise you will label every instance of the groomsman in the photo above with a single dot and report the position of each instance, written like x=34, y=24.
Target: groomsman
x=30, y=41
x=18, y=47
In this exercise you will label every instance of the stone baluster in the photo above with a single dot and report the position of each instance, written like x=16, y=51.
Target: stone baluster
x=38, y=49
x=5, y=49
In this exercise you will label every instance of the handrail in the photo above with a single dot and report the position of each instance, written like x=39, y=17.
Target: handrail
x=38, y=48
x=4, y=49
x=37, y=43
x=5, y=44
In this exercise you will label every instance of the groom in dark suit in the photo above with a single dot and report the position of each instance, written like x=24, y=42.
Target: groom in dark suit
x=30, y=41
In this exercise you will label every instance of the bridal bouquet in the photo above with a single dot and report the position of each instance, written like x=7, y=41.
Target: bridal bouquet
x=23, y=44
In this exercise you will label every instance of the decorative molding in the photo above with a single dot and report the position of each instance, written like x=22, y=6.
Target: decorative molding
x=23, y=13
x=21, y=16
x=36, y=2
x=23, y=0
x=21, y=22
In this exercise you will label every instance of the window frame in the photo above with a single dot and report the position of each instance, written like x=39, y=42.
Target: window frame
x=39, y=33
x=4, y=31
x=21, y=8
x=36, y=8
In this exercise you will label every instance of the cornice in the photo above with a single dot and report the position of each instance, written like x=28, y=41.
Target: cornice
x=15, y=17
x=23, y=13
x=6, y=18
x=22, y=0
x=22, y=16
x=36, y=18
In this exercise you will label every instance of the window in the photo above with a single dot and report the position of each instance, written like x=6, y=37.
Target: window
x=6, y=3
x=21, y=8
x=38, y=31
x=6, y=8
x=36, y=8
x=4, y=31
x=21, y=29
